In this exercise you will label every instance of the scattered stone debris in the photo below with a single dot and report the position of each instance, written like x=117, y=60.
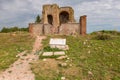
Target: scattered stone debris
x=63, y=64
x=90, y=73
x=70, y=65
x=62, y=57
x=44, y=59
x=89, y=52
x=62, y=78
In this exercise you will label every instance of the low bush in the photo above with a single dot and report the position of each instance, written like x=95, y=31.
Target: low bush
x=13, y=29
x=48, y=48
x=103, y=36
x=107, y=32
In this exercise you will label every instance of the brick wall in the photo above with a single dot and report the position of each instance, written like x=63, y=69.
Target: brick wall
x=36, y=29
x=69, y=29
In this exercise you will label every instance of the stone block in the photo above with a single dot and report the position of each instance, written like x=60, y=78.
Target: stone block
x=62, y=57
x=59, y=53
x=47, y=54
x=57, y=41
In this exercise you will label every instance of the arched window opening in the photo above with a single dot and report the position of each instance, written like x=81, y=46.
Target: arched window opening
x=64, y=17
x=50, y=19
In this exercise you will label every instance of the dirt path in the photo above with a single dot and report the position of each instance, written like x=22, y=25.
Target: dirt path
x=20, y=69
x=37, y=45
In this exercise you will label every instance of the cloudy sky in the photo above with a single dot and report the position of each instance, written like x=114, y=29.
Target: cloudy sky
x=101, y=14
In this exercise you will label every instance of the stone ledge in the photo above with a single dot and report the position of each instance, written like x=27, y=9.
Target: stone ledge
x=60, y=53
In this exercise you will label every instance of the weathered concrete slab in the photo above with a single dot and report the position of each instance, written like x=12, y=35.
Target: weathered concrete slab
x=57, y=41
x=47, y=54
x=59, y=53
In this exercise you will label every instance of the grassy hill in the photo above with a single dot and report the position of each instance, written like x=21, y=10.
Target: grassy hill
x=93, y=57
x=12, y=44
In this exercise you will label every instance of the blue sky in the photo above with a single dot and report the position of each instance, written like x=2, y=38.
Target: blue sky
x=101, y=14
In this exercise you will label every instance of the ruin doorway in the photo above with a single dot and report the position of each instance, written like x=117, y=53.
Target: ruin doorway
x=50, y=19
x=64, y=17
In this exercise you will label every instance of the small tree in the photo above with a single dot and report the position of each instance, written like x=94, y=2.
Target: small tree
x=38, y=19
x=4, y=29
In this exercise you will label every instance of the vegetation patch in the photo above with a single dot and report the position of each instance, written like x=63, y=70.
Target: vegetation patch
x=13, y=29
x=90, y=59
x=49, y=49
x=12, y=44
x=103, y=36
x=107, y=31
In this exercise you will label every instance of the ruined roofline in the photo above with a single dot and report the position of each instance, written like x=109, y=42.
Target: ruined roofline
x=67, y=7
x=50, y=5
x=58, y=20
x=57, y=5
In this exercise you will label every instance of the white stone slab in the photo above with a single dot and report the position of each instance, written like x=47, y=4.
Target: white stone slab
x=47, y=54
x=59, y=53
x=57, y=41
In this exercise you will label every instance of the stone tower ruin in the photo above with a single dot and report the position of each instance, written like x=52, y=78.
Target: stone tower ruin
x=58, y=20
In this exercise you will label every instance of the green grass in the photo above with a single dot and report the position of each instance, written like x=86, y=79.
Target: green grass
x=94, y=59
x=49, y=49
x=12, y=44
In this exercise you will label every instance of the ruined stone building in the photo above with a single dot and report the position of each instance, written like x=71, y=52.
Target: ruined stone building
x=58, y=20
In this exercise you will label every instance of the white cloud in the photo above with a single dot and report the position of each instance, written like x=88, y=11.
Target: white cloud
x=21, y=12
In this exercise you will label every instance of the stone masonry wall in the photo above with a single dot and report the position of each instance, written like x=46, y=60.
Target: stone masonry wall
x=36, y=29
x=52, y=17
x=70, y=11
x=52, y=10
x=69, y=29
x=47, y=29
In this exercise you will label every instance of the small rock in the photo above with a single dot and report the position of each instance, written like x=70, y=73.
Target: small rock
x=68, y=58
x=63, y=64
x=66, y=47
x=88, y=46
x=89, y=52
x=84, y=43
x=62, y=78
x=44, y=59
x=30, y=59
x=70, y=65
x=17, y=56
x=62, y=57
x=90, y=73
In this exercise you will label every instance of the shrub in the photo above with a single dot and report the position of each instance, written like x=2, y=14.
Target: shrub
x=103, y=36
x=48, y=48
x=13, y=29
x=107, y=32
x=38, y=19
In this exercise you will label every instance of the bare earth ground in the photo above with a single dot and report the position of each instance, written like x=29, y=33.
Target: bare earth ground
x=20, y=69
